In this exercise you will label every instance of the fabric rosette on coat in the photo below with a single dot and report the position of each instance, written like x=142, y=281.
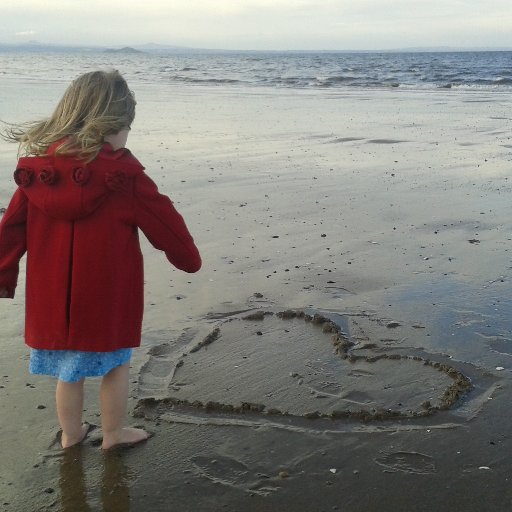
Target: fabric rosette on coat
x=48, y=175
x=23, y=176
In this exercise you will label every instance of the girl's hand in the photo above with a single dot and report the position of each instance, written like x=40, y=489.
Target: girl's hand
x=4, y=293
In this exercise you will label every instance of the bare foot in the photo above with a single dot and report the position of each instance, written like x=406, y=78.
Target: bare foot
x=125, y=436
x=67, y=441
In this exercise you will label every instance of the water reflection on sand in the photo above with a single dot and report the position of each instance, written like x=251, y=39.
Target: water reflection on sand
x=78, y=491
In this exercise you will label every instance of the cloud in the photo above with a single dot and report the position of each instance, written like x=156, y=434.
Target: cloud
x=25, y=33
x=264, y=24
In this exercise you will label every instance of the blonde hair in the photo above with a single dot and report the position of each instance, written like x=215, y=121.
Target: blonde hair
x=96, y=104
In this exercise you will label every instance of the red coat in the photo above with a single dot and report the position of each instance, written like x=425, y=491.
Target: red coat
x=79, y=225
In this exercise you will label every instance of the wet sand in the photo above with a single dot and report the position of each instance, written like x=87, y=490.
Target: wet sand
x=384, y=213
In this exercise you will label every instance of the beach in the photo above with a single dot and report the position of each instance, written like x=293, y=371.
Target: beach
x=346, y=345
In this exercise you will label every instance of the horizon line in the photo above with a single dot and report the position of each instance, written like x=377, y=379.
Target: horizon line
x=171, y=47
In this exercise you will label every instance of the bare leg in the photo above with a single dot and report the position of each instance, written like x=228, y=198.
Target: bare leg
x=114, y=402
x=69, y=398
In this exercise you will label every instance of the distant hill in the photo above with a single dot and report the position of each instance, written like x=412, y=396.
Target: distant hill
x=126, y=49
x=38, y=47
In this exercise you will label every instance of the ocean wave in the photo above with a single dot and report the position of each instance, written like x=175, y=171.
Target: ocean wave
x=330, y=81
x=205, y=81
x=463, y=70
x=503, y=81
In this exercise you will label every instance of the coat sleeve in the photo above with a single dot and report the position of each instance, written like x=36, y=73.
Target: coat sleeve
x=163, y=226
x=13, y=242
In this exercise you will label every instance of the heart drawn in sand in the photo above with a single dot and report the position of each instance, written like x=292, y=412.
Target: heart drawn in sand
x=294, y=364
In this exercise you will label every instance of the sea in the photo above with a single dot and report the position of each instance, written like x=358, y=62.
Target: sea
x=485, y=70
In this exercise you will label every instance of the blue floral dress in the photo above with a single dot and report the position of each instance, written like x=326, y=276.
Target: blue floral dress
x=74, y=365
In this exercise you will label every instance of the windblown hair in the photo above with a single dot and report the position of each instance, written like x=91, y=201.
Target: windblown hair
x=96, y=104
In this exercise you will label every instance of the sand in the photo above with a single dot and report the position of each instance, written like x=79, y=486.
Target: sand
x=386, y=213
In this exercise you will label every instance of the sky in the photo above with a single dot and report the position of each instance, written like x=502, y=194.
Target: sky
x=260, y=24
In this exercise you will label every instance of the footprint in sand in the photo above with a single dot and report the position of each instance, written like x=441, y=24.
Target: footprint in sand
x=157, y=373
x=233, y=473
x=407, y=462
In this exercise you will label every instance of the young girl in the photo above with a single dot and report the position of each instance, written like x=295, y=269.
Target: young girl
x=80, y=200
